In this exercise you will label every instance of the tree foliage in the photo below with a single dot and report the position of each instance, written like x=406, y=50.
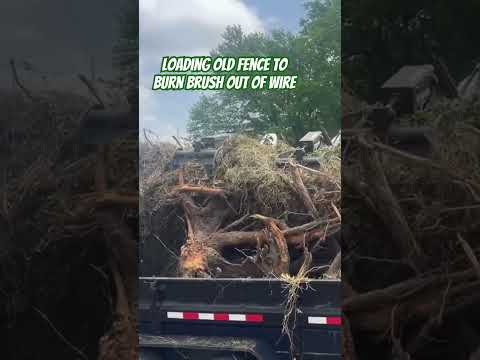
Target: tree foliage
x=378, y=37
x=314, y=56
x=125, y=51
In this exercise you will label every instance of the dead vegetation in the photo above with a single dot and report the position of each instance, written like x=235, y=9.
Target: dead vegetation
x=252, y=219
x=410, y=229
x=68, y=243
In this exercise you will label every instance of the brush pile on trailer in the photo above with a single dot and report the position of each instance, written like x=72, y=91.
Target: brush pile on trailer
x=411, y=270
x=68, y=241
x=252, y=218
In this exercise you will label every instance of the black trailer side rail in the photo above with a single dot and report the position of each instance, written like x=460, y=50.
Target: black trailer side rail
x=248, y=310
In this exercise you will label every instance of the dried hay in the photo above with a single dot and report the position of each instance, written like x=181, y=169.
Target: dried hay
x=248, y=168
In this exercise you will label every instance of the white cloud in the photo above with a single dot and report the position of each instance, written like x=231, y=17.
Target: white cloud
x=182, y=27
x=212, y=14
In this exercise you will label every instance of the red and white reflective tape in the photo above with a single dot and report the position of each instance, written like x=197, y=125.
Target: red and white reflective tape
x=249, y=318
x=256, y=318
x=325, y=320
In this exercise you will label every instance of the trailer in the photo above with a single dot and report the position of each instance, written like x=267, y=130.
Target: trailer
x=220, y=319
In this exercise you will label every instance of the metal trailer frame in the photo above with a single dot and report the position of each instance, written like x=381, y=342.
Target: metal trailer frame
x=239, y=316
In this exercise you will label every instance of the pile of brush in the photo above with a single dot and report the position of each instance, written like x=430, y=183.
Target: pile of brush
x=251, y=219
x=68, y=232
x=410, y=246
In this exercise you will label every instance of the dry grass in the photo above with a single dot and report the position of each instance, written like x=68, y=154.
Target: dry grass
x=330, y=161
x=248, y=167
x=294, y=285
x=155, y=181
x=457, y=132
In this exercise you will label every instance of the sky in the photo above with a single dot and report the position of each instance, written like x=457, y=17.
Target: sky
x=194, y=27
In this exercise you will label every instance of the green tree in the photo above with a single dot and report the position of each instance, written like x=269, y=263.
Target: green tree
x=314, y=56
x=125, y=51
x=378, y=37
